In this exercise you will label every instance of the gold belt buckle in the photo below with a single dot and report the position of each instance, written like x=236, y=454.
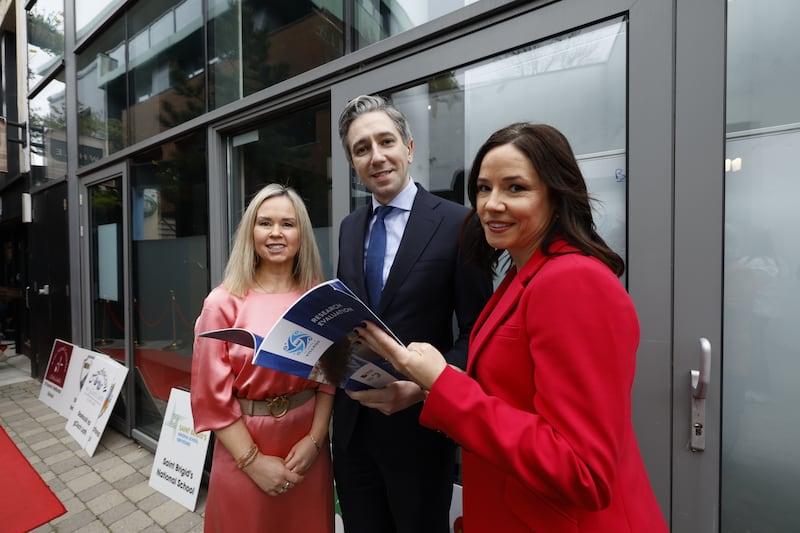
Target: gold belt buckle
x=278, y=406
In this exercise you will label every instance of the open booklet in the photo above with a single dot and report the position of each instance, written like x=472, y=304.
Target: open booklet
x=314, y=339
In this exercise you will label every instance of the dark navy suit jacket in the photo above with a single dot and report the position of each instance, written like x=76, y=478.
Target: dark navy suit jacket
x=429, y=281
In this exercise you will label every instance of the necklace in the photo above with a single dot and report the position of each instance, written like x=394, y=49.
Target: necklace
x=290, y=288
x=260, y=285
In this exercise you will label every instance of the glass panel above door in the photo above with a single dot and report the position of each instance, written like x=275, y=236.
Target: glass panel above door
x=575, y=82
x=291, y=149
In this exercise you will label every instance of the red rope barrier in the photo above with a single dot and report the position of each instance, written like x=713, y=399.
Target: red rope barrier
x=121, y=327
x=146, y=322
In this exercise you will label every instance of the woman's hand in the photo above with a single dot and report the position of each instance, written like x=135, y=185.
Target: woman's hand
x=272, y=475
x=419, y=361
x=302, y=455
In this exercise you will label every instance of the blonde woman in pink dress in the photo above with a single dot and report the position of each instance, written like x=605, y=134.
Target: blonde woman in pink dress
x=271, y=468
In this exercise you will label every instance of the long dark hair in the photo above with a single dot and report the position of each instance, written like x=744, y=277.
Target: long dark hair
x=551, y=155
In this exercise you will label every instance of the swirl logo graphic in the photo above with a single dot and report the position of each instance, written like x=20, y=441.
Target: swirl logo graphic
x=297, y=342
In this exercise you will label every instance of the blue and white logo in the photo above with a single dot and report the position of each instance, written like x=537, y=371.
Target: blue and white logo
x=297, y=342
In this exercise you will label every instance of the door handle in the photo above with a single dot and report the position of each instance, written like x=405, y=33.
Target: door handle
x=699, y=388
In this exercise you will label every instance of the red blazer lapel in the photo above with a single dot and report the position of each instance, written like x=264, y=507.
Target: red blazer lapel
x=502, y=303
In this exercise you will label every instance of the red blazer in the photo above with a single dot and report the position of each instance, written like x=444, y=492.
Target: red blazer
x=544, y=411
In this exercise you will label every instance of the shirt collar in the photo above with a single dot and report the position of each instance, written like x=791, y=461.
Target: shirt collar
x=404, y=199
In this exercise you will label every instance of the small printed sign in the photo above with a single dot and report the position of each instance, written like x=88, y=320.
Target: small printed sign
x=92, y=409
x=66, y=372
x=180, y=454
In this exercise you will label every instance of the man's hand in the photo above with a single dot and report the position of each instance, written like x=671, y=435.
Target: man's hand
x=395, y=397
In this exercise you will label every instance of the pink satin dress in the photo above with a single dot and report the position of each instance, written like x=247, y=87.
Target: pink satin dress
x=221, y=372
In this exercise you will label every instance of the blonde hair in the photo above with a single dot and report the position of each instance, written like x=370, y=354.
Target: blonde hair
x=240, y=270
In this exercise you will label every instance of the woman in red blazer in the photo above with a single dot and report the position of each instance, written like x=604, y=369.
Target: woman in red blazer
x=543, y=412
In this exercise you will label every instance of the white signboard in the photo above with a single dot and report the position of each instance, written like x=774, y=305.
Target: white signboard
x=180, y=454
x=96, y=400
x=67, y=370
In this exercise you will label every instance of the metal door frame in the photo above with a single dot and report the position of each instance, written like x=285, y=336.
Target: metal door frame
x=119, y=171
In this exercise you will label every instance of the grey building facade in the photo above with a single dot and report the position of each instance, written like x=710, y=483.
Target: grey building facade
x=137, y=130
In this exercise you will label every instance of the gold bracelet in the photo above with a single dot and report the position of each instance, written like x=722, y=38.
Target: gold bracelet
x=246, y=460
x=316, y=444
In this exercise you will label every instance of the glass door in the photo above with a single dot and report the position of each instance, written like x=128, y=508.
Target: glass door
x=103, y=241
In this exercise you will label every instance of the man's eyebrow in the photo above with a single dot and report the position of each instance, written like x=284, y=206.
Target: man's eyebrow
x=382, y=134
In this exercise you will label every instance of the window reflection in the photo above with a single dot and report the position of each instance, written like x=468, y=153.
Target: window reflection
x=102, y=96
x=48, y=133
x=378, y=19
x=576, y=82
x=253, y=44
x=45, y=38
x=166, y=72
x=293, y=150
x=169, y=258
x=89, y=14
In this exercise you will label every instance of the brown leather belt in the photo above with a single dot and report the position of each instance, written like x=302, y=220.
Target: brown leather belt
x=278, y=406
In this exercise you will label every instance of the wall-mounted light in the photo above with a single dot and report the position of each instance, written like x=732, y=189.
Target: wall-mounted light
x=27, y=213
x=733, y=165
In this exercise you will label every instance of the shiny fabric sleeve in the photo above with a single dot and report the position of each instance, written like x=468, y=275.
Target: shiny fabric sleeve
x=562, y=434
x=213, y=404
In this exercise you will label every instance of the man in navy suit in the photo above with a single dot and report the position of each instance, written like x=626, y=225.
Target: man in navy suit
x=393, y=475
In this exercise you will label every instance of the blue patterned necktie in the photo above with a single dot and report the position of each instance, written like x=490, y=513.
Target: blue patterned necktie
x=376, y=251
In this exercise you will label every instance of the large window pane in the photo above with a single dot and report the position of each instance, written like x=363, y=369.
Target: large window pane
x=379, y=19
x=90, y=13
x=575, y=82
x=45, y=38
x=102, y=121
x=760, y=420
x=166, y=68
x=293, y=150
x=48, y=133
x=169, y=258
x=254, y=44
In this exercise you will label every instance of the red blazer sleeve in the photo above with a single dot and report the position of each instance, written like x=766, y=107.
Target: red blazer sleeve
x=548, y=396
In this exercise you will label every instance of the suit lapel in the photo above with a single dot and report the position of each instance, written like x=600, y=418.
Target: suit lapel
x=352, y=251
x=420, y=228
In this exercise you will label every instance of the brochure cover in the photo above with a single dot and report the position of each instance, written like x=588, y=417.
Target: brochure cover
x=314, y=340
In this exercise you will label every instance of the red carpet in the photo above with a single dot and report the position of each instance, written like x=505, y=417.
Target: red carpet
x=26, y=502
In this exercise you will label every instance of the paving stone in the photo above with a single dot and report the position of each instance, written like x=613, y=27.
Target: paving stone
x=74, y=521
x=84, y=482
x=76, y=472
x=135, y=522
x=167, y=512
x=139, y=492
x=95, y=527
x=94, y=491
x=118, y=512
x=129, y=481
x=64, y=455
x=41, y=440
x=105, y=501
x=186, y=523
x=70, y=463
x=152, y=501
